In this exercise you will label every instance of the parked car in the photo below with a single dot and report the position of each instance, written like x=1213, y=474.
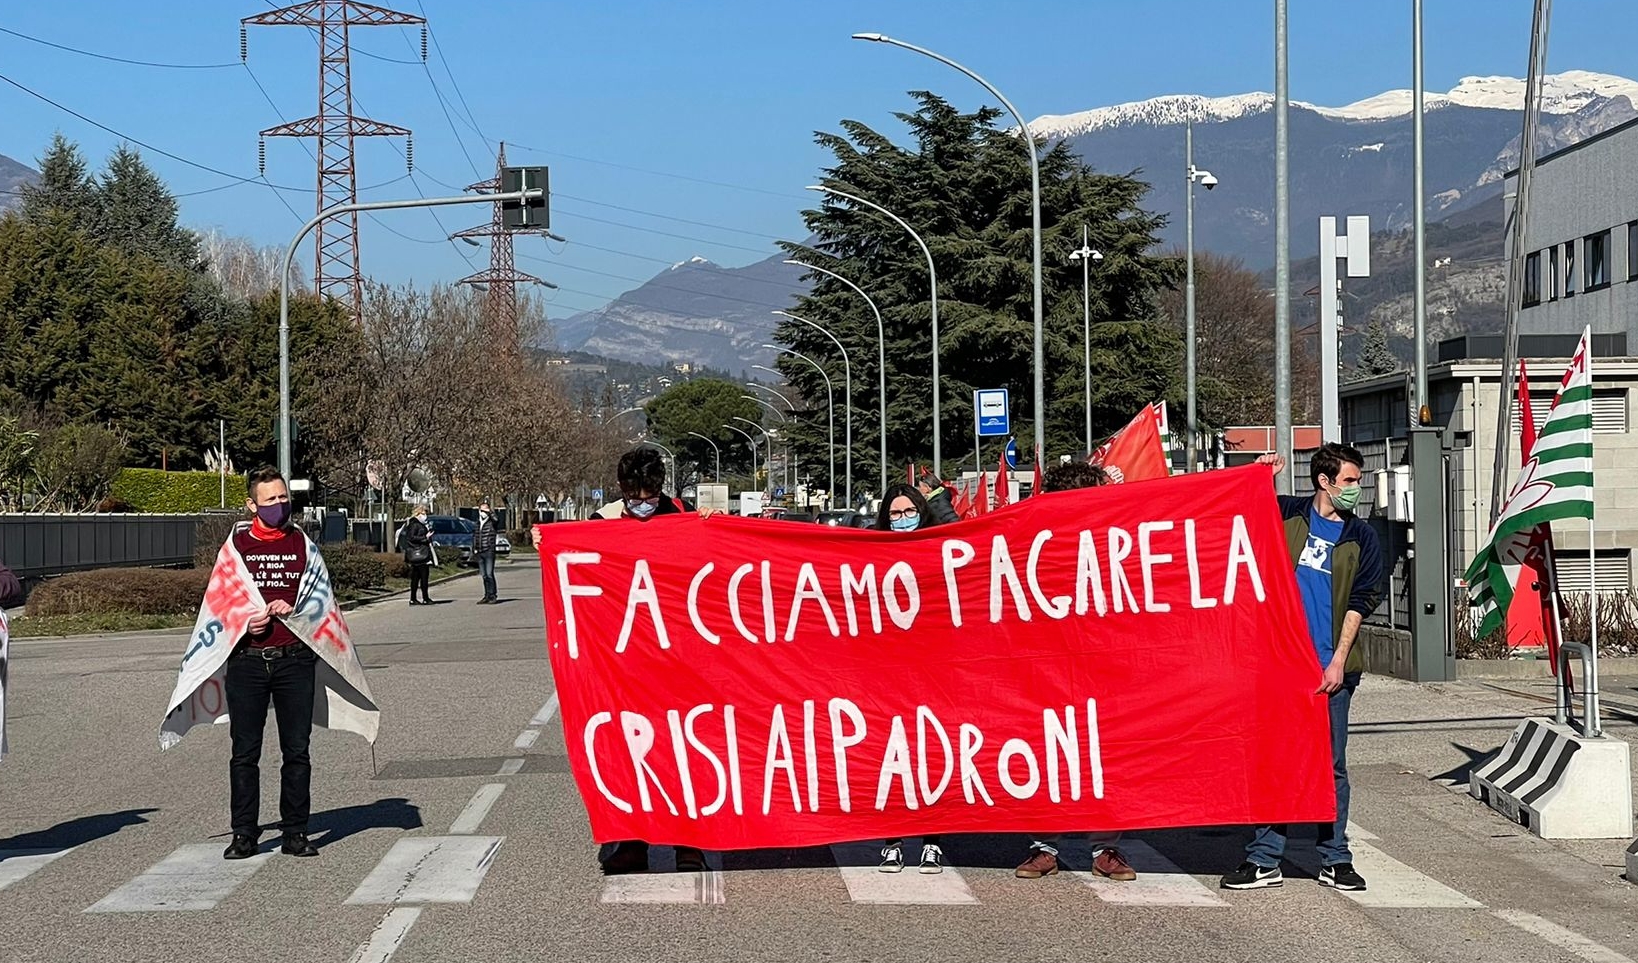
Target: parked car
x=452, y=532
x=842, y=518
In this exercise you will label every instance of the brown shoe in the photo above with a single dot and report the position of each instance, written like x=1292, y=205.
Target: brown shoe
x=1112, y=864
x=1040, y=863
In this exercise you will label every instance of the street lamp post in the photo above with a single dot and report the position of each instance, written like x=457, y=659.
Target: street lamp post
x=717, y=451
x=769, y=438
x=783, y=419
x=932, y=286
x=847, y=400
x=284, y=285
x=881, y=374
x=747, y=436
x=1086, y=256
x=676, y=477
x=1035, y=220
x=789, y=405
x=1208, y=181
x=830, y=406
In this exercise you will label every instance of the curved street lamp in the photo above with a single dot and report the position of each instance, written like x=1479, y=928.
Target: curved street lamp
x=1086, y=256
x=676, y=478
x=1035, y=217
x=830, y=403
x=932, y=285
x=789, y=405
x=768, y=437
x=881, y=375
x=707, y=439
x=747, y=436
x=847, y=400
x=783, y=418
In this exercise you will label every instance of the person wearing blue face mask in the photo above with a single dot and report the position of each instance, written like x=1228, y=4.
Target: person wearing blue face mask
x=905, y=509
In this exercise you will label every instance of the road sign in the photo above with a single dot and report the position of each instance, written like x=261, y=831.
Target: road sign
x=1012, y=453
x=992, y=411
x=597, y=495
x=534, y=213
x=780, y=491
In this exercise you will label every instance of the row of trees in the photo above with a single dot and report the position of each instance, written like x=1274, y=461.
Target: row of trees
x=127, y=339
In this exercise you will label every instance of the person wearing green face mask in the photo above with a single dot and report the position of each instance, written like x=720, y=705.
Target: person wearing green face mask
x=1339, y=572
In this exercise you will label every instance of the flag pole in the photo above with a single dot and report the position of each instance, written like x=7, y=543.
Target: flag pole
x=1591, y=682
x=1563, y=685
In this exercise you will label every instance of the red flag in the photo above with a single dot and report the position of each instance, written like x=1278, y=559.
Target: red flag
x=981, y=504
x=959, y=501
x=1530, y=622
x=1003, y=490
x=1135, y=452
x=1035, y=484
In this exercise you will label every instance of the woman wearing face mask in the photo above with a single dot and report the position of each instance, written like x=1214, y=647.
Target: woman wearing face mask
x=905, y=509
x=416, y=541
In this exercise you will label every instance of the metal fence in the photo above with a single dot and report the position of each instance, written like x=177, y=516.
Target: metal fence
x=1394, y=537
x=36, y=546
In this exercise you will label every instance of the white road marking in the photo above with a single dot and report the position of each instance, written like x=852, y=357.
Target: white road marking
x=472, y=816
x=429, y=869
x=1160, y=882
x=857, y=863
x=1356, y=831
x=17, y=865
x=663, y=884
x=388, y=935
x=525, y=739
x=546, y=712
x=1393, y=885
x=193, y=877
x=1565, y=939
x=510, y=767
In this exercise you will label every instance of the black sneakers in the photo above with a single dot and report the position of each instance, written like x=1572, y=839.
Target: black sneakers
x=1252, y=876
x=242, y=847
x=1341, y=876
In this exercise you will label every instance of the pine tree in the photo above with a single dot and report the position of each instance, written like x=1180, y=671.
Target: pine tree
x=65, y=188
x=136, y=213
x=965, y=187
x=1375, y=357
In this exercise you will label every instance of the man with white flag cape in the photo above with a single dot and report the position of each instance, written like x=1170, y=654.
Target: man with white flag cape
x=269, y=632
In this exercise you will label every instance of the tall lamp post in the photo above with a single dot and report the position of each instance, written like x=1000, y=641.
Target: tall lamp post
x=830, y=404
x=782, y=420
x=932, y=287
x=747, y=436
x=717, y=451
x=1208, y=181
x=847, y=400
x=767, y=436
x=676, y=477
x=1086, y=256
x=789, y=405
x=881, y=376
x=1035, y=219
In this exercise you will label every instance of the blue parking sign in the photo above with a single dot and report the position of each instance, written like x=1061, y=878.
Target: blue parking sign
x=992, y=412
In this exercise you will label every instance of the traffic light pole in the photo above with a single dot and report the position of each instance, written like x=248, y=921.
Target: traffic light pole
x=285, y=465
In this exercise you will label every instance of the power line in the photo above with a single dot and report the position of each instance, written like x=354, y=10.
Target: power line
x=684, y=237
x=667, y=217
x=644, y=170
x=650, y=282
x=439, y=50
x=118, y=60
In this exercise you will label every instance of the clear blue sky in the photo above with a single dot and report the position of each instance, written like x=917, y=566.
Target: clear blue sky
x=637, y=104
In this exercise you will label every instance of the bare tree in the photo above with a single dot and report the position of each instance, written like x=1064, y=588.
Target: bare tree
x=243, y=268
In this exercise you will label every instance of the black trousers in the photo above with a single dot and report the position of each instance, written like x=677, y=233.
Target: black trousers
x=286, y=682
x=420, y=575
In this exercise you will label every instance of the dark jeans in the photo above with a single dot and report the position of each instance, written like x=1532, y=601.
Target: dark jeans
x=420, y=574
x=486, y=568
x=287, y=682
x=1331, y=839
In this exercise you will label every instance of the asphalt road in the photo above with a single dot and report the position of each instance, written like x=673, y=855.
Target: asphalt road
x=463, y=839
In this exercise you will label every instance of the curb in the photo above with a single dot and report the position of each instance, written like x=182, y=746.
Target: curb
x=1503, y=669
x=352, y=604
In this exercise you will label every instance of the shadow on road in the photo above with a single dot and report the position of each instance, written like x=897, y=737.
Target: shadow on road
x=338, y=824
x=77, y=832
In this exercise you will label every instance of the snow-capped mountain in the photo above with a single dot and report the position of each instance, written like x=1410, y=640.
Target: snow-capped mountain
x=1353, y=159
x=1563, y=93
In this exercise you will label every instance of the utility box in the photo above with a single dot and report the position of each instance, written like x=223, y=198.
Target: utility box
x=714, y=497
x=750, y=504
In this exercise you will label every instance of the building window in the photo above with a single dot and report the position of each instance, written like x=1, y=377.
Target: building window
x=1532, y=279
x=1597, y=258
x=1632, y=251
x=1552, y=273
x=1569, y=269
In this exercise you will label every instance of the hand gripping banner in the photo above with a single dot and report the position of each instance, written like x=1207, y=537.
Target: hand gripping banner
x=1126, y=657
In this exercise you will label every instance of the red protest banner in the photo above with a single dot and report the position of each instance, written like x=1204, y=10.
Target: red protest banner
x=1122, y=657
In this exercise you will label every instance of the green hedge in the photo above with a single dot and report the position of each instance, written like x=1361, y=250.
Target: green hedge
x=152, y=490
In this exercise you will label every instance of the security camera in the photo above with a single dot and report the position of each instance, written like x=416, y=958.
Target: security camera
x=1208, y=181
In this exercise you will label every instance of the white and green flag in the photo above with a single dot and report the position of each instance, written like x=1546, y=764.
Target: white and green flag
x=1556, y=483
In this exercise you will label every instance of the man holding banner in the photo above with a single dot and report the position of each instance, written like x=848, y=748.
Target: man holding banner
x=1339, y=568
